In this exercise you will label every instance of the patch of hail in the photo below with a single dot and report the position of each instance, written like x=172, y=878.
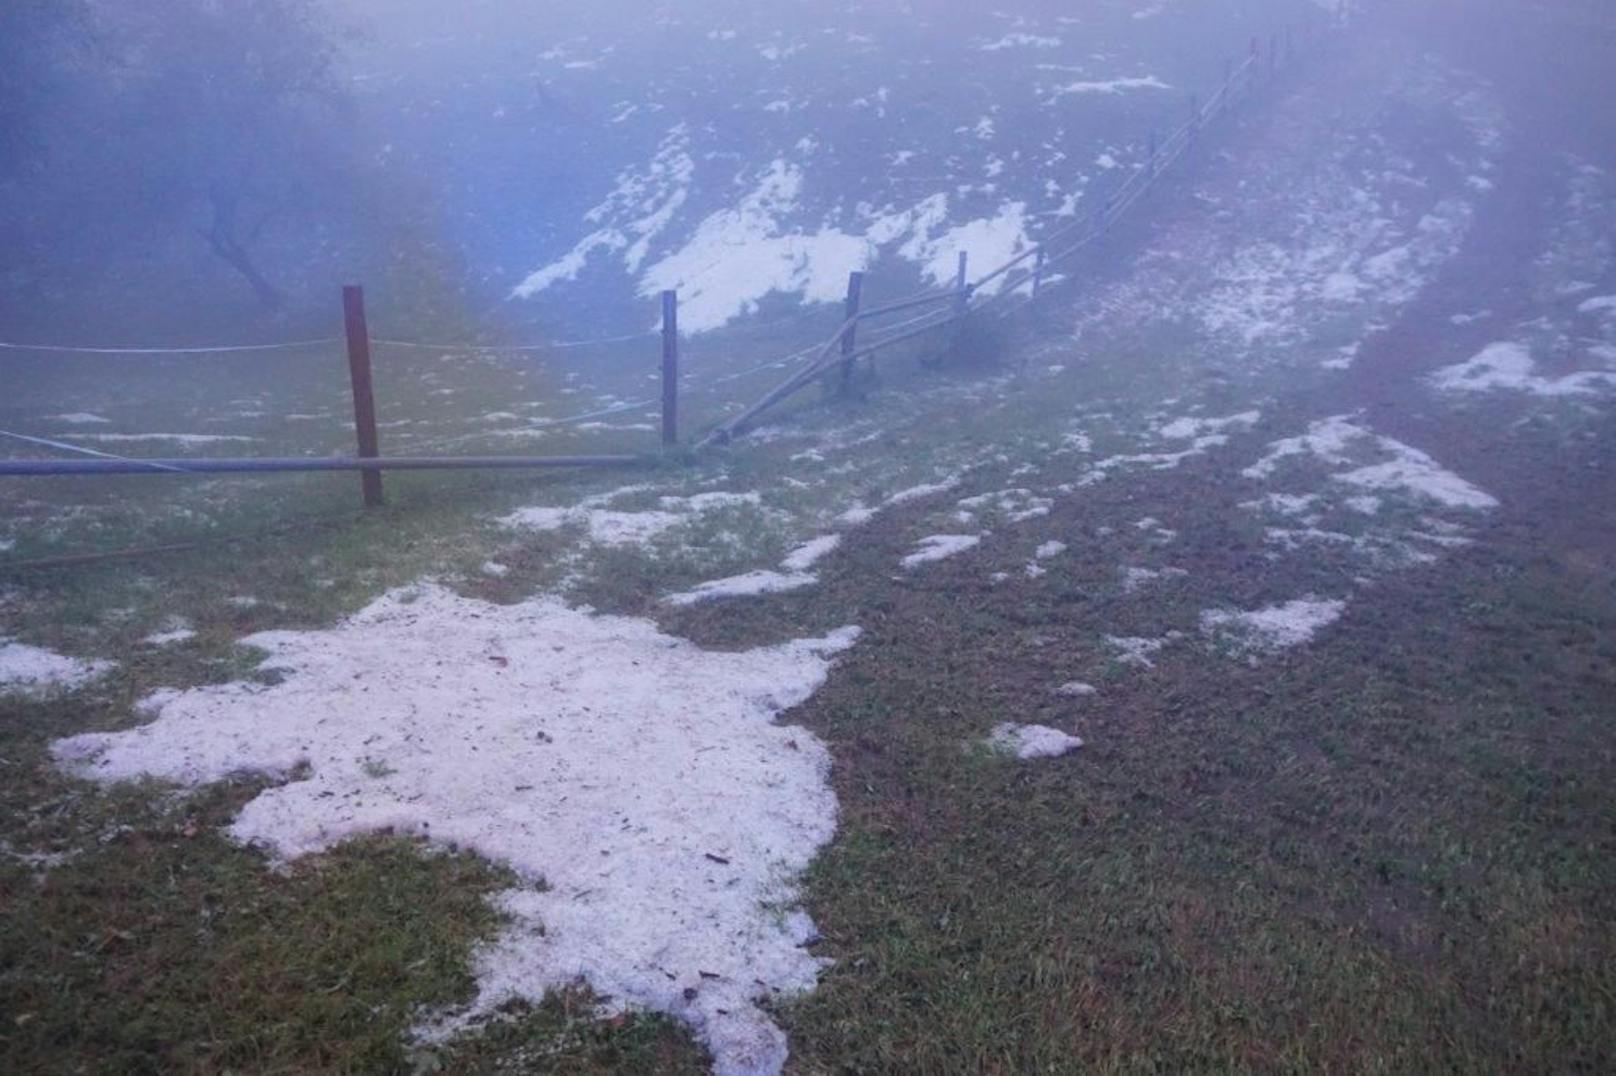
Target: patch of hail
x=1509, y=366
x=1015, y=505
x=1188, y=428
x=1274, y=627
x=1202, y=435
x=1376, y=463
x=33, y=670
x=1031, y=741
x=939, y=547
x=605, y=526
x=643, y=780
x=1138, y=650
x=794, y=574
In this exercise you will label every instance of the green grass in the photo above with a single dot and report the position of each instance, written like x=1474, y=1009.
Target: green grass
x=1389, y=852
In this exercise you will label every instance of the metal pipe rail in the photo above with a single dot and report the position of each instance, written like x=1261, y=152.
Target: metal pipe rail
x=909, y=304
x=878, y=345
x=276, y=464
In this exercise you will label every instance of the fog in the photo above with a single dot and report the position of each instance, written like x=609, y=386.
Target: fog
x=831, y=536
x=252, y=156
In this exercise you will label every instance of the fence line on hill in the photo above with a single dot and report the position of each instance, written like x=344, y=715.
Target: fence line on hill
x=1026, y=276
x=1083, y=233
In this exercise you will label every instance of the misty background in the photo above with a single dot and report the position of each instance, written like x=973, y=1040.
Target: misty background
x=190, y=171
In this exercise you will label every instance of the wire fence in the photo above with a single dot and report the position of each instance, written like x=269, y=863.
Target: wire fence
x=1002, y=291
x=1022, y=280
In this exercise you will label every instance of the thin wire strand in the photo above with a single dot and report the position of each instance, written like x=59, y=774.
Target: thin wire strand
x=64, y=446
x=59, y=348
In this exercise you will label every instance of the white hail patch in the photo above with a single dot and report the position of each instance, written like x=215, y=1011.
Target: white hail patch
x=1015, y=505
x=1137, y=650
x=939, y=547
x=1274, y=627
x=33, y=670
x=176, y=438
x=745, y=585
x=915, y=493
x=794, y=574
x=642, y=778
x=1031, y=741
x=740, y=256
x=1109, y=86
x=1183, y=429
x=1339, y=442
x=605, y=526
x=1509, y=366
x=177, y=631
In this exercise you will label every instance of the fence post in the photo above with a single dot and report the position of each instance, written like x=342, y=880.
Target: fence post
x=1038, y=273
x=670, y=369
x=1150, y=167
x=962, y=298
x=364, y=396
x=855, y=291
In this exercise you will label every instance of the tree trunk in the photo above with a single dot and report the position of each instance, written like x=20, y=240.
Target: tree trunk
x=233, y=252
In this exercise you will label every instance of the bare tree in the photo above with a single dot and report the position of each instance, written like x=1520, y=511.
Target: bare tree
x=231, y=110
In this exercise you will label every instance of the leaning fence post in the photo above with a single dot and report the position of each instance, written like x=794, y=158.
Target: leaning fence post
x=1038, y=273
x=364, y=396
x=855, y=290
x=962, y=298
x=670, y=369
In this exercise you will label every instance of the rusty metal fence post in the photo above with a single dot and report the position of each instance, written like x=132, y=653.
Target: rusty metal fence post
x=670, y=369
x=855, y=292
x=364, y=396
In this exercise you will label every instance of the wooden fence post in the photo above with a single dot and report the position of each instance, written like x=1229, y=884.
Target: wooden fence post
x=855, y=291
x=670, y=369
x=962, y=298
x=1038, y=273
x=364, y=396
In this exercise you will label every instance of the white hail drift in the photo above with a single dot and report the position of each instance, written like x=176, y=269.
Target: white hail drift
x=643, y=779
